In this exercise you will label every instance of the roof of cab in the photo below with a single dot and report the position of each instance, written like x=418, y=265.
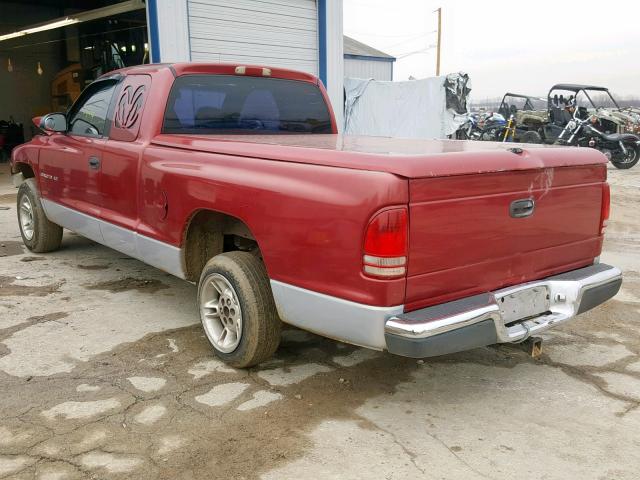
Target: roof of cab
x=179, y=69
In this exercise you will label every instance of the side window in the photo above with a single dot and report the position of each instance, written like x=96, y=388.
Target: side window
x=129, y=107
x=89, y=116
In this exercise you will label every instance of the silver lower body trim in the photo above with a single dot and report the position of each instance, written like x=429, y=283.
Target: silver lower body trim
x=148, y=250
x=333, y=317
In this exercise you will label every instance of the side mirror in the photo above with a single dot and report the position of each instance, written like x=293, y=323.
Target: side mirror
x=54, y=122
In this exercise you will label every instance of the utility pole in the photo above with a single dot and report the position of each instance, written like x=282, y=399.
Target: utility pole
x=439, y=10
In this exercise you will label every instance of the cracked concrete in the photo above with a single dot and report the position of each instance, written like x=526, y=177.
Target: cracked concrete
x=104, y=373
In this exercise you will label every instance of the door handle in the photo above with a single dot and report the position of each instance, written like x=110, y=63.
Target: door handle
x=522, y=208
x=94, y=162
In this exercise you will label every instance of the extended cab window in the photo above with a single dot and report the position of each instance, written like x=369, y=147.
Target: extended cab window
x=88, y=117
x=233, y=104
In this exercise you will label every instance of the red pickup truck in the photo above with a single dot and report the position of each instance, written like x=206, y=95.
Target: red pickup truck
x=234, y=177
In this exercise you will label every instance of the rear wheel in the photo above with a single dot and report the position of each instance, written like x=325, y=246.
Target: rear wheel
x=38, y=234
x=628, y=160
x=237, y=309
x=530, y=136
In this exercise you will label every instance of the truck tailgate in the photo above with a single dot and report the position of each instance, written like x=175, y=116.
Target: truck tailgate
x=464, y=240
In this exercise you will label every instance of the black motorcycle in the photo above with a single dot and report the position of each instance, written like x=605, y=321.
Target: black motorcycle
x=622, y=149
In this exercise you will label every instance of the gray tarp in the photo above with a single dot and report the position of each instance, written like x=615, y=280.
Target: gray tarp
x=429, y=108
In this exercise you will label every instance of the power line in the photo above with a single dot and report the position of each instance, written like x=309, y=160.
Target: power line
x=410, y=40
x=415, y=52
x=404, y=35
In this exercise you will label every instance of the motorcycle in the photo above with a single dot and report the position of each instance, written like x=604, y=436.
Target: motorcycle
x=486, y=126
x=469, y=129
x=622, y=149
x=491, y=127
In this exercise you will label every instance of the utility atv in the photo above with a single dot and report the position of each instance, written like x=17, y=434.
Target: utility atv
x=526, y=116
x=587, y=100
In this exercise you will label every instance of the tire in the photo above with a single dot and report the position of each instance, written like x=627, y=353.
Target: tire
x=530, y=136
x=632, y=158
x=234, y=294
x=38, y=234
x=461, y=134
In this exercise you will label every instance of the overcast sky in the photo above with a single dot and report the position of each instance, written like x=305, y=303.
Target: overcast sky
x=523, y=47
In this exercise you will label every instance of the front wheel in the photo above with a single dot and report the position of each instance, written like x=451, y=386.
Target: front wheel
x=237, y=309
x=628, y=160
x=38, y=234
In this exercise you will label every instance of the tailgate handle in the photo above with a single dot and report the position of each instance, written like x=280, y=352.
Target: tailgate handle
x=522, y=208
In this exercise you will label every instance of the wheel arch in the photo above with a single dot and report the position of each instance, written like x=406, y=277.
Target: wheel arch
x=208, y=233
x=24, y=169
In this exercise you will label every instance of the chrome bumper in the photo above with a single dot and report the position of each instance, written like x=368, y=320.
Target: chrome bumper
x=493, y=317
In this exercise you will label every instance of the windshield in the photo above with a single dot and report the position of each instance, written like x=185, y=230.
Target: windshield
x=209, y=104
x=602, y=99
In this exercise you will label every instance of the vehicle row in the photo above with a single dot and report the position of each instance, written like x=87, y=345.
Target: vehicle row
x=572, y=114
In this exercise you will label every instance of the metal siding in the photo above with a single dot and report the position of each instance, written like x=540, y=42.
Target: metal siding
x=368, y=69
x=172, y=42
x=280, y=33
x=335, y=58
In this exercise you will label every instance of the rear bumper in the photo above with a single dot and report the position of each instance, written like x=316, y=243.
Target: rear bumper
x=483, y=319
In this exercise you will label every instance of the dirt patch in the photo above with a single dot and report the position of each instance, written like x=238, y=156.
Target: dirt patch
x=49, y=317
x=32, y=259
x=92, y=267
x=8, y=288
x=8, y=248
x=129, y=283
x=247, y=443
x=8, y=198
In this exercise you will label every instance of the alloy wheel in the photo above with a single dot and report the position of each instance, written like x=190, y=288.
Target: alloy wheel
x=220, y=313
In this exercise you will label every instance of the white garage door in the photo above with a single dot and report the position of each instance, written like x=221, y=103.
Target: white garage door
x=279, y=33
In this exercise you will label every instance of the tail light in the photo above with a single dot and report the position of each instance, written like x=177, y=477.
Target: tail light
x=606, y=207
x=385, y=244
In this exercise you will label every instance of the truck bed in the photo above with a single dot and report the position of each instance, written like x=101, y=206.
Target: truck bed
x=408, y=158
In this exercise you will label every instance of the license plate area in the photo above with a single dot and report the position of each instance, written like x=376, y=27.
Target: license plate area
x=523, y=304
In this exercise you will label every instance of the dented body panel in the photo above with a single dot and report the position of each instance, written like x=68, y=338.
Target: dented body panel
x=463, y=240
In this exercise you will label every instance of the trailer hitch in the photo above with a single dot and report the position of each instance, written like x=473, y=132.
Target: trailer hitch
x=532, y=346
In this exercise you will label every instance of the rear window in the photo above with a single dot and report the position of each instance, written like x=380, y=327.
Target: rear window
x=232, y=104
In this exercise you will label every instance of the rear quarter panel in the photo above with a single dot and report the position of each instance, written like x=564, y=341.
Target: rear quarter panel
x=308, y=220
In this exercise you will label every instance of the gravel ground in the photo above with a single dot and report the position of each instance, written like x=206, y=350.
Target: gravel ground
x=104, y=373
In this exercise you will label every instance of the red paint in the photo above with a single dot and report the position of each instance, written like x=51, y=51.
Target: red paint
x=308, y=199
x=464, y=240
